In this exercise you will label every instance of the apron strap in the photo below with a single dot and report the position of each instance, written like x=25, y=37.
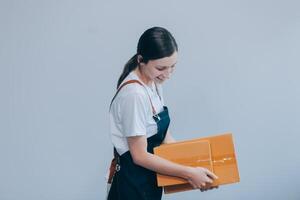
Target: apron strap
x=129, y=82
x=157, y=91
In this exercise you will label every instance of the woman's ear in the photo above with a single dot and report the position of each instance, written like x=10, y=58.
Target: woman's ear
x=139, y=59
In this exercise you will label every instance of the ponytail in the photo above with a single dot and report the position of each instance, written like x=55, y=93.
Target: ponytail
x=129, y=67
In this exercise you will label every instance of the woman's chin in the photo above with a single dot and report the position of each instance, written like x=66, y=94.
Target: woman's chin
x=159, y=81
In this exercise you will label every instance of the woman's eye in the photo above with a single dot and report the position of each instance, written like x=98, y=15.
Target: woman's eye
x=165, y=68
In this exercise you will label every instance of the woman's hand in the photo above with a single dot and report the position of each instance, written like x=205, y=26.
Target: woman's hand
x=200, y=178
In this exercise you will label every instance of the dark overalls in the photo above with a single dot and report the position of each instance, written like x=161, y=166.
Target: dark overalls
x=132, y=181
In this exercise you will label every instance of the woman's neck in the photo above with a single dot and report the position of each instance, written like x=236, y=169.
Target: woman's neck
x=143, y=77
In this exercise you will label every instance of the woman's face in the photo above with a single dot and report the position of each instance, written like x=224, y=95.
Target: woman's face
x=160, y=69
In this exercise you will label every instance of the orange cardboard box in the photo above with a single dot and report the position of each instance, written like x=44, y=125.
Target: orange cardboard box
x=215, y=153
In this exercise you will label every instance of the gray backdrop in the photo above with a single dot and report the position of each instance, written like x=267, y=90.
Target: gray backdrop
x=238, y=70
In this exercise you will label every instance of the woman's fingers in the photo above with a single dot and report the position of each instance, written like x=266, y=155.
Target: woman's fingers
x=204, y=189
x=210, y=174
x=201, y=178
x=192, y=184
x=202, y=186
x=208, y=180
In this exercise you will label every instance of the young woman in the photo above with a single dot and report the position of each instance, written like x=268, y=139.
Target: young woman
x=140, y=120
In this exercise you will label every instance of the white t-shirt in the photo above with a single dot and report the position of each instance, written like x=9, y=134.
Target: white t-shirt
x=131, y=112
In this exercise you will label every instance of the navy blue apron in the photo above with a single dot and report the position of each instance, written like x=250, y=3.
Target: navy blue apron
x=132, y=181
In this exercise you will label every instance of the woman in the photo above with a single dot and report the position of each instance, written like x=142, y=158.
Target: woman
x=140, y=121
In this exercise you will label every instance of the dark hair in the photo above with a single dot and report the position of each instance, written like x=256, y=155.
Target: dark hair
x=154, y=43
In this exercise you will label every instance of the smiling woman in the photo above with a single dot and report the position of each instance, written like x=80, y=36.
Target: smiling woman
x=140, y=121
x=156, y=70
x=157, y=49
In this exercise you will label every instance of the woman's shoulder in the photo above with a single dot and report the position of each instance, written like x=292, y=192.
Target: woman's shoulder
x=134, y=90
x=131, y=96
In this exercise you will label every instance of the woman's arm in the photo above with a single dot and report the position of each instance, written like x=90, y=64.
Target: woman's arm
x=198, y=177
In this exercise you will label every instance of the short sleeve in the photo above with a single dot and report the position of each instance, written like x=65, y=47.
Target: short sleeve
x=133, y=114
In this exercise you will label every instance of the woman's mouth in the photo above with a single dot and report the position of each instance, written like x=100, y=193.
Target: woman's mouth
x=159, y=79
